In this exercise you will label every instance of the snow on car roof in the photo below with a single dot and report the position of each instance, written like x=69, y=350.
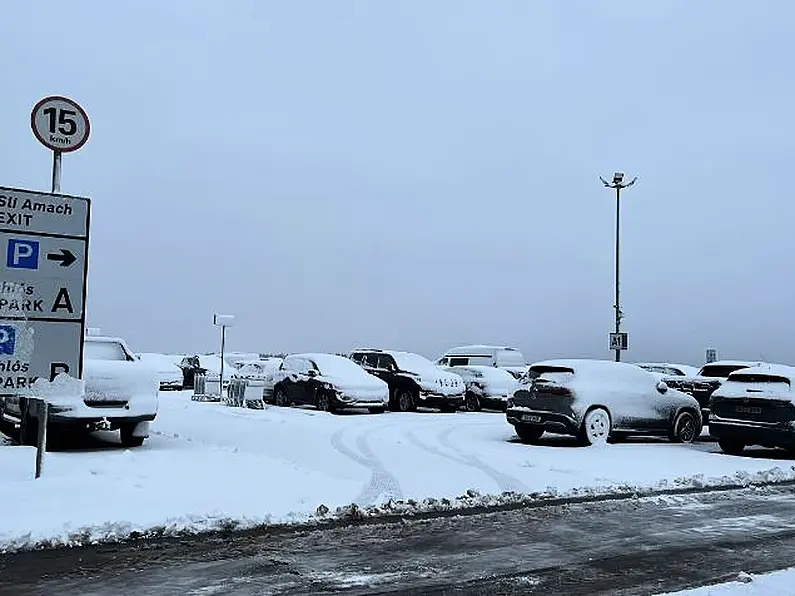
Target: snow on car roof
x=475, y=348
x=412, y=362
x=587, y=365
x=332, y=364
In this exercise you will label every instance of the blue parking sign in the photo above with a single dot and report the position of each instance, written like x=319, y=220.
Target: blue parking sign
x=8, y=340
x=22, y=254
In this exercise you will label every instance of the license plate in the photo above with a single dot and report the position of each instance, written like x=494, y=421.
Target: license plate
x=748, y=410
x=530, y=418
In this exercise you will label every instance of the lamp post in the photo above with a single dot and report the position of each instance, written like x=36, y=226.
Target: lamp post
x=223, y=321
x=618, y=341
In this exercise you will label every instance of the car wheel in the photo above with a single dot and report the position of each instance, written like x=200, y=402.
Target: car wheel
x=472, y=403
x=280, y=398
x=731, y=447
x=405, y=401
x=529, y=434
x=686, y=428
x=323, y=402
x=376, y=410
x=127, y=438
x=596, y=427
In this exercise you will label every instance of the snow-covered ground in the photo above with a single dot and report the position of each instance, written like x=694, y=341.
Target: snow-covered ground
x=778, y=583
x=209, y=466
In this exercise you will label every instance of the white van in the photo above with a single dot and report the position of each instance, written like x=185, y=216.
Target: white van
x=510, y=359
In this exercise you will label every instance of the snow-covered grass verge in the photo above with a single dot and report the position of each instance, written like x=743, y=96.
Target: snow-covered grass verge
x=209, y=467
x=780, y=583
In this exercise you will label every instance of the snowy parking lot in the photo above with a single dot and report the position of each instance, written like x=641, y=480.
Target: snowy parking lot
x=209, y=466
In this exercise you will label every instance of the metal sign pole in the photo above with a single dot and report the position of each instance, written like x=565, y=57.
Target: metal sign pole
x=56, y=171
x=223, y=342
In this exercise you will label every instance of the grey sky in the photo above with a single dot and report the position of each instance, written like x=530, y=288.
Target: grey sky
x=423, y=174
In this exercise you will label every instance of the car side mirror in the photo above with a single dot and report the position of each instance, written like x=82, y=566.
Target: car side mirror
x=662, y=387
x=312, y=372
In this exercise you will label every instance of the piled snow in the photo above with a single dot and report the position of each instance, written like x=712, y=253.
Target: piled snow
x=780, y=583
x=209, y=467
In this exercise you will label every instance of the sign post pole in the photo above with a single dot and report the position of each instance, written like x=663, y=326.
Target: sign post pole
x=56, y=171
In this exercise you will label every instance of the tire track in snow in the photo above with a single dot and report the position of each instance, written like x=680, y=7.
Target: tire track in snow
x=505, y=482
x=381, y=482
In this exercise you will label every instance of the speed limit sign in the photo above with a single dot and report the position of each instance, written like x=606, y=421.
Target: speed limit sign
x=60, y=124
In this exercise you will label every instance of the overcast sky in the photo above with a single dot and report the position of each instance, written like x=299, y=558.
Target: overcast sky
x=422, y=174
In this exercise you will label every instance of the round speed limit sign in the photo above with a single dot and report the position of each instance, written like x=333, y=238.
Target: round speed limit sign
x=60, y=124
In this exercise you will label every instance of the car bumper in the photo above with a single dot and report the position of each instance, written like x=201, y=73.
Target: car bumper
x=766, y=434
x=550, y=421
x=429, y=399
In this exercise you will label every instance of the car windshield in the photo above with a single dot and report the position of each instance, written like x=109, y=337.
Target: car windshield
x=414, y=363
x=104, y=350
x=336, y=366
x=720, y=371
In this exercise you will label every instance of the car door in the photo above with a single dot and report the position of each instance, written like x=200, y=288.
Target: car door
x=653, y=411
x=387, y=369
x=291, y=381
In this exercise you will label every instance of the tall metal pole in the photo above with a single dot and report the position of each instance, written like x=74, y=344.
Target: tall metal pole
x=619, y=184
x=223, y=342
x=56, y=171
x=618, y=265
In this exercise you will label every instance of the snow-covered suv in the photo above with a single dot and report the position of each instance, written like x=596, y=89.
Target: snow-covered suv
x=413, y=380
x=118, y=392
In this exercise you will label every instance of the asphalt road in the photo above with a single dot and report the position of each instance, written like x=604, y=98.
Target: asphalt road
x=638, y=546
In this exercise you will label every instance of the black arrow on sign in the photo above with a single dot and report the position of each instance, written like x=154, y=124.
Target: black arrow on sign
x=66, y=257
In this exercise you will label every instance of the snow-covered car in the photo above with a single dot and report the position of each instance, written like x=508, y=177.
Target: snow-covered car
x=595, y=400
x=329, y=382
x=754, y=406
x=414, y=381
x=486, y=386
x=118, y=392
x=663, y=370
x=707, y=380
x=510, y=359
x=259, y=370
x=168, y=373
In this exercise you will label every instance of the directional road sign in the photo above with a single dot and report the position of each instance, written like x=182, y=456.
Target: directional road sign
x=43, y=265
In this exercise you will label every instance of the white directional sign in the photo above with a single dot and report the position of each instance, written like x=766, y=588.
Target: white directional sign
x=60, y=124
x=44, y=264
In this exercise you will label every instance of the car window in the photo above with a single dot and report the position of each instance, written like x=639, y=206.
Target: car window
x=461, y=361
x=720, y=371
x=558, y=375
x=386, y=362
x=370, y=360
x=295, y=365
x=357, y=357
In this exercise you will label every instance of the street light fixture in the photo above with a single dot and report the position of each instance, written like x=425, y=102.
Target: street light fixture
x=618, y=341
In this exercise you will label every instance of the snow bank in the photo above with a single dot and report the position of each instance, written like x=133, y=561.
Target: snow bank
x=17, y=463
x=780, y=583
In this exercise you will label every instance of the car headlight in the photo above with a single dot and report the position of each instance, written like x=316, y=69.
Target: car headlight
x=510, y=402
